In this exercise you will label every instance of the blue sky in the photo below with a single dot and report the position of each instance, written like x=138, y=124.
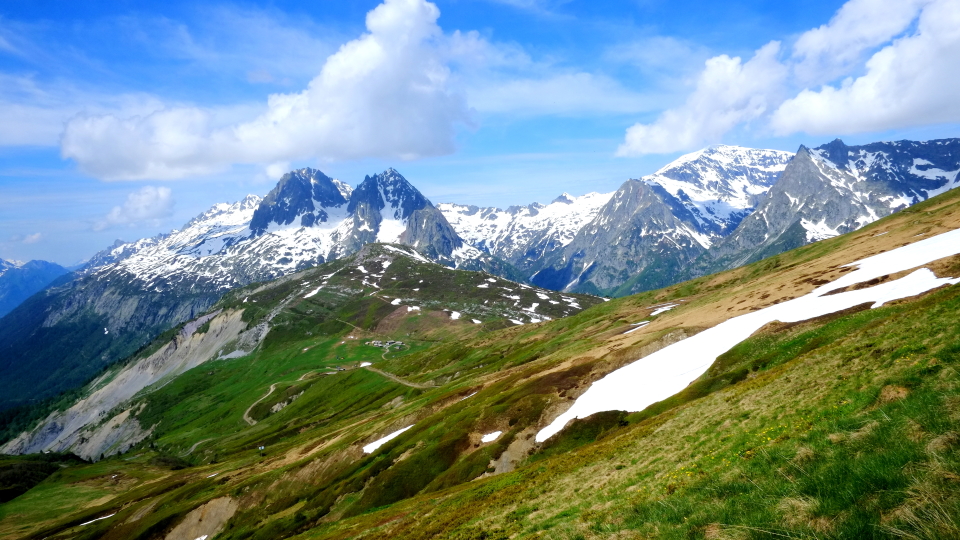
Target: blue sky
x=125, y=119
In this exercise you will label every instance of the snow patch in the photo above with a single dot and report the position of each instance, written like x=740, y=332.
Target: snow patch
x=638, y=326
x=490, y=437
x=669, y=370
x=818, y=231
x=372, y=447
x=663, y=309
x=98, y=519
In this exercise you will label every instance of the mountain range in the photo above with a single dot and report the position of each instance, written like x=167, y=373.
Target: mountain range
x=710, y=210
x=707, y=211
x=381, y=395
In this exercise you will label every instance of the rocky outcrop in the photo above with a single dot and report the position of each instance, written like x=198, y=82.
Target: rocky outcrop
x=104, y=422
x=642, y=226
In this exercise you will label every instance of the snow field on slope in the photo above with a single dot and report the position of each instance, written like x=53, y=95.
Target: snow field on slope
x=372, y=447
x=669, y=370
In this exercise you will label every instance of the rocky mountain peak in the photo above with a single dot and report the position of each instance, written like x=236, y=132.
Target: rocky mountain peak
x=303, y=194
x=388, y=190
x=836, y=151
x=564, y=198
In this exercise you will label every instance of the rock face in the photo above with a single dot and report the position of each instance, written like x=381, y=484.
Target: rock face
x=19, y=281
x=835, y=189
x=304, y=194
x=653, y=227
x=92, y=427
x=132, y=292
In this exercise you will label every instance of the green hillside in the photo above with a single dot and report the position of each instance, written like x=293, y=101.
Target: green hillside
x=844, y=426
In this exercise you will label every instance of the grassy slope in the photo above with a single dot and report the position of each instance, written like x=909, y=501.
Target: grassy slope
x=803, y=431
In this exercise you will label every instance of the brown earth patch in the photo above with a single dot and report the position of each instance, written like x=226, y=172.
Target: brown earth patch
x=891, y=393
x=205, y=520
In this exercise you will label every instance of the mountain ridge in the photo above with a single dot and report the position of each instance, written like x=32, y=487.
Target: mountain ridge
x=788, y=430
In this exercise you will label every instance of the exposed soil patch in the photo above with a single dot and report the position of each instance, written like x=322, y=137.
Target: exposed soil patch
x=206, y=520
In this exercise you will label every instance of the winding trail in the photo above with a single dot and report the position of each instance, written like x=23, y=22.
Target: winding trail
x=394, y=378
x=196, y=444
x=386, y=352
x=246, y=414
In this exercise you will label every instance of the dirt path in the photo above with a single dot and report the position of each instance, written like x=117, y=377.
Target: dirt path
x=246, y=414
x=394, y=378
x=195, y=445
x=384, y=355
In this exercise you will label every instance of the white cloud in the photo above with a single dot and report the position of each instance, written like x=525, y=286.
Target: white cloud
x=911, y=82
x=859, y=25
x=34, y=114
x=385, y=94
x=276, y=170
x=32, y=238
x=728, y=92
x=148, y=205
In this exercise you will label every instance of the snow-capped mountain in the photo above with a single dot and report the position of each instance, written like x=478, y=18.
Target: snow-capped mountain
x=307, y=219
x=133, y=291
x=652, y=227
x=835, y=189
x=688, y=204
x=19, y=280
x=523, y=235
x=7, y=265
x=722, y=184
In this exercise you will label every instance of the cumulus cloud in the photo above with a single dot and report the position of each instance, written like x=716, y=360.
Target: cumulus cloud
x=147, y=205
x=913, y=81
x=728, y=92
x=898, y=57
x=832, y=49
x=385, y=94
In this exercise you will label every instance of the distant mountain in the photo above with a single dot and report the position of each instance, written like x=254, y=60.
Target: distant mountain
x=133, y=291
x=524, y=235
x=835, y=189
x=651, y=228
x=707, y=211
x=20, y=280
